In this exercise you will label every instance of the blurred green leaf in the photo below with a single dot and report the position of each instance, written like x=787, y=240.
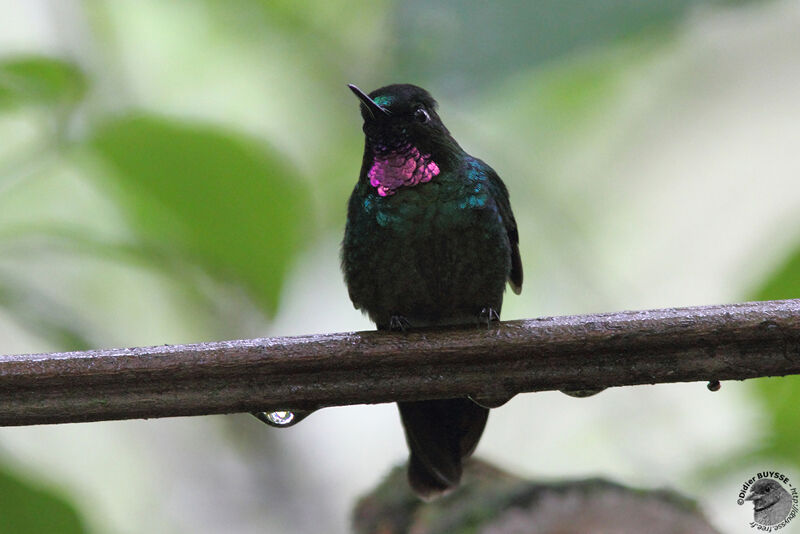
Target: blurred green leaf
x=26, y=508
x=783, y=282
x=781, y=396
x=40, y=80
x=227, y=202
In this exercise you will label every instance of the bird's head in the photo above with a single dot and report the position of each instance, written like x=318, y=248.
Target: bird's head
x=764, y=493
x=406, y=141
x=399, y=114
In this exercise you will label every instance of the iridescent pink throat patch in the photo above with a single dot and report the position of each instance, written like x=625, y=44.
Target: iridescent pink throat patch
x=392, y=171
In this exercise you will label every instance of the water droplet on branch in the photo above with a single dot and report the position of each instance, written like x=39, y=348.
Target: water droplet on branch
x=281, y=418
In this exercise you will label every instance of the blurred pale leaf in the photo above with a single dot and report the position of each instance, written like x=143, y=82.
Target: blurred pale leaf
x=226, y=202
x=26, y=508
x=42, y=316
x=781, y=396
x=482, y=43
x=40, y=80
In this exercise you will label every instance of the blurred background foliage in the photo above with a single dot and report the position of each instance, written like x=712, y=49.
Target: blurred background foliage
x=178, y=171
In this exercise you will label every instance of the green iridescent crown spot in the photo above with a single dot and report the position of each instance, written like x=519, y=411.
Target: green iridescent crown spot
x=383, y=101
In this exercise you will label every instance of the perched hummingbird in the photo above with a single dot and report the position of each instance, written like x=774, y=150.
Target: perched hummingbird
x=430, y=240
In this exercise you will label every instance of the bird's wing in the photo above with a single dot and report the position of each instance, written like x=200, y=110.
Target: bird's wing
x=500, y=194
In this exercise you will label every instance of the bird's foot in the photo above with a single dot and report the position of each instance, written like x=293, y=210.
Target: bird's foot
x=487, y=315
x=398, y=323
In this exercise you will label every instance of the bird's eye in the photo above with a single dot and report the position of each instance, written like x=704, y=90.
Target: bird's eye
x=421, y=115
x=767, y=489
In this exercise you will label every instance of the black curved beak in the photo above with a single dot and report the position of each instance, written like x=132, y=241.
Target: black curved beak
x=374, y=109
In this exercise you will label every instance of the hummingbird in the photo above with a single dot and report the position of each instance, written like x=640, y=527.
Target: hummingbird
x=430, y=240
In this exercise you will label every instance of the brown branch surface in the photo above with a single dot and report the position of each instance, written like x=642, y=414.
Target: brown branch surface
x=731, y=342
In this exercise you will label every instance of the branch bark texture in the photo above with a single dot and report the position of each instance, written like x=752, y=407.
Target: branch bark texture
x=729, y=342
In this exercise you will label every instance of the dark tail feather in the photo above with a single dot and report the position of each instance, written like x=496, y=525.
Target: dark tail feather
x=440, y=434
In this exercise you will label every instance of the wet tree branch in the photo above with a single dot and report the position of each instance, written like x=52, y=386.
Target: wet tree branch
x=731, y=342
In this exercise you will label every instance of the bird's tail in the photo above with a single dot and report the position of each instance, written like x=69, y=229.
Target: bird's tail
x=440, y=435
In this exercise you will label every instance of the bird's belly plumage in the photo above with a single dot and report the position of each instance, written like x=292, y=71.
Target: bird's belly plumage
x=430, y=258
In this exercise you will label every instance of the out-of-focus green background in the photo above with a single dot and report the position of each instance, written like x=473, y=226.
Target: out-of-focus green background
x=178, y=171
